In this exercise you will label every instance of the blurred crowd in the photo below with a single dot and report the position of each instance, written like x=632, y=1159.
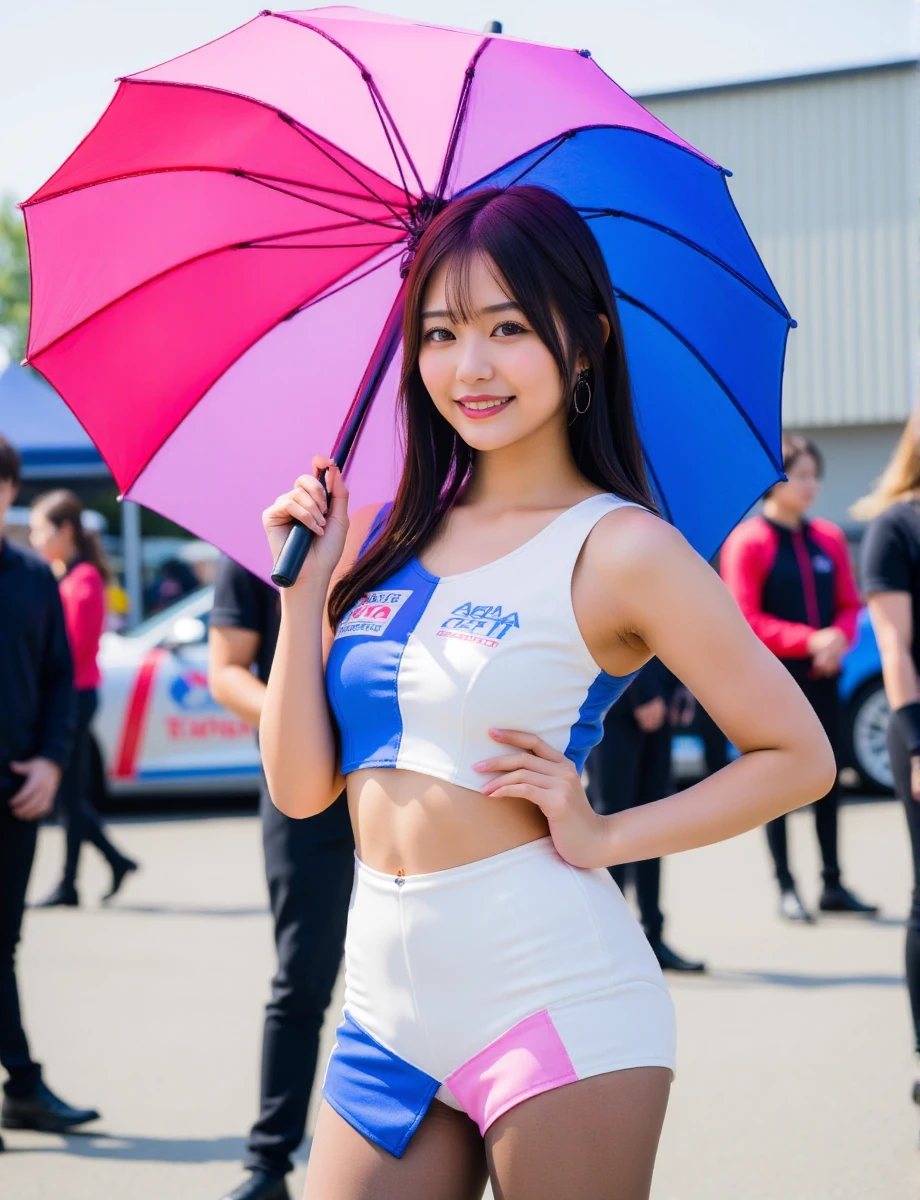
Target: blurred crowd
x=790, y=572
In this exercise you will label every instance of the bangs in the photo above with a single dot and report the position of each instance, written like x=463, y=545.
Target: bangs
x=458, y=288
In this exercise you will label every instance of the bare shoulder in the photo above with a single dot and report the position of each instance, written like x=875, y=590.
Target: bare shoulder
x=633, y=544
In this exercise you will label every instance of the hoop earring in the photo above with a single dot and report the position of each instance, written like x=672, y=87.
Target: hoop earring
x=582, y=383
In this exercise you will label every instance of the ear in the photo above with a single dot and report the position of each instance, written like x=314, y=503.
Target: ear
x=582, y=362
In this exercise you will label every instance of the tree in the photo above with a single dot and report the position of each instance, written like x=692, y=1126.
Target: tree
x=14, y=280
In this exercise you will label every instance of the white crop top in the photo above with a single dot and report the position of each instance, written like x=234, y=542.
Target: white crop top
x=422, y=667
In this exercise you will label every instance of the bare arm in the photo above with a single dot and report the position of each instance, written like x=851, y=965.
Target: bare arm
x=676, y=605
x=892, y=621
x=667, y=601
x=231, y=653
x=296, y=734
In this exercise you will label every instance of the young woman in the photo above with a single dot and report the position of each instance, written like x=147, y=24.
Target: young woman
x=504, y=1012
x=890, y=564
x=792, y=577
x=57, y=533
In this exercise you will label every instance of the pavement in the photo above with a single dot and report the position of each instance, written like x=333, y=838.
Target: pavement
x=794, y=1064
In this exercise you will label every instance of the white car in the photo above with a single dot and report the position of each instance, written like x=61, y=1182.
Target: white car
x=158, y=726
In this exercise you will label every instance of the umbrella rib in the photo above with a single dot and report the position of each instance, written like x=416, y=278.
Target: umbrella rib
x=376, y=97
x=340, y=287
x=360, y=182
x=220, y=374
x=274, y=237
x=186, y=262
x=621, y=295
x=273, y=187
x=268, y=181
x=591, y=214
x=560, y=141
x=459, y=117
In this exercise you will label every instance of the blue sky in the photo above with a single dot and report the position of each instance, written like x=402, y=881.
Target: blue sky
x=60, y=57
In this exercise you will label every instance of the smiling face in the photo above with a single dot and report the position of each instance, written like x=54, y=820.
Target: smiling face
x=486, y=370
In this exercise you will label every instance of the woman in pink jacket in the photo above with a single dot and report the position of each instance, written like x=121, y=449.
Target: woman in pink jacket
x=792, y=578
x=77, y=560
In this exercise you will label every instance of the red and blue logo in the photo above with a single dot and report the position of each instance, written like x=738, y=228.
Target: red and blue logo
x=190, y=691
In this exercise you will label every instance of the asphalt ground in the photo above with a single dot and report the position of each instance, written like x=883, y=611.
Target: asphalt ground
x=794, y=1064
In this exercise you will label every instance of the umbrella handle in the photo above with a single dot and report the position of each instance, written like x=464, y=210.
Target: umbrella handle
x=296, y=547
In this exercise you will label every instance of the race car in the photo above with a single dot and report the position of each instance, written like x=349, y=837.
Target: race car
x=158, y=726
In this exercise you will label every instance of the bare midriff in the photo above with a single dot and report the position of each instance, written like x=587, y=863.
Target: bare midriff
x=411, y=824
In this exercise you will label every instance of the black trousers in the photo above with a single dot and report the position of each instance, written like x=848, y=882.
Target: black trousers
x=900, y=766
x=823, y=696
x=626, y=769
x=309, y=866
x=74, y=805
x=17, y=851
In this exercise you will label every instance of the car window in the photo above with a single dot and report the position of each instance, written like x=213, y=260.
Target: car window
x=190, y=606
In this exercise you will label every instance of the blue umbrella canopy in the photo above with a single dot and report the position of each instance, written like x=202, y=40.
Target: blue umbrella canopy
x=705, y=328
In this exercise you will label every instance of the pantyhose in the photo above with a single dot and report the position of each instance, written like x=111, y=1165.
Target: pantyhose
x=595, y=1139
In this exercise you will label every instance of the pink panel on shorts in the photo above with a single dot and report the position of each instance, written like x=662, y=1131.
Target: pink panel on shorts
x=526, y=1060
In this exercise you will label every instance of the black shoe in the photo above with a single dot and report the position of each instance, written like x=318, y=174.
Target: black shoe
x=670, y=960
x=43, y=1110
x=63, y=896
x=260, y=1186
x=838, y=899
x=119, y=873
x=792, y=908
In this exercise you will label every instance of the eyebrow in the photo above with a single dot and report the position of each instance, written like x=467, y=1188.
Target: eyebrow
x=490, y=308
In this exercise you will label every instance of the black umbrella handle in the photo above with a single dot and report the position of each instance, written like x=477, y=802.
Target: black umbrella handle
x=294, y=551
x=296, y=547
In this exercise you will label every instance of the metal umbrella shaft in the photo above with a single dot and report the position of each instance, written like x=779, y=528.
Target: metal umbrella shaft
x=297, y=544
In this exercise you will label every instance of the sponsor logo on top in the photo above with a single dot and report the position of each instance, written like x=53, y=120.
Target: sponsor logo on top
x=822, y=564
x=483, y=624
x=372, y=614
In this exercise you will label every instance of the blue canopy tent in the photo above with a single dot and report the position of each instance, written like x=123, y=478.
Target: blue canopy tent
x=49, y=437
x=54, y=445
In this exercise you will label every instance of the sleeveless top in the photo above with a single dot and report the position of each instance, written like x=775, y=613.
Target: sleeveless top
x=423, y=666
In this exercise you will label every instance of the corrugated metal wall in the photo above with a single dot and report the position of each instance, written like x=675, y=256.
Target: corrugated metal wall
x=827, y=180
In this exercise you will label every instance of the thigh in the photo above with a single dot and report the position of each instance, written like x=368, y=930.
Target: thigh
x=443, y=1161
x=595, y=1139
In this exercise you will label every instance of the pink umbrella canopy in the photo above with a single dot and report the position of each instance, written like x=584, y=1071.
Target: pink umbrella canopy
x=214, y=263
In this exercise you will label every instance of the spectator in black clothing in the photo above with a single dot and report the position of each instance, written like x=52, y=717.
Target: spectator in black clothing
x=890, y=564
x=36, y=729
x=632, y=766
x=309, y=866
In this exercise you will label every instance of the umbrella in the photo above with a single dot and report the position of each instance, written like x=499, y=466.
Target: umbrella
x=216, y=268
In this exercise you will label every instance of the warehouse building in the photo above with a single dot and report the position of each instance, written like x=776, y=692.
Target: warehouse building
x=826, y=175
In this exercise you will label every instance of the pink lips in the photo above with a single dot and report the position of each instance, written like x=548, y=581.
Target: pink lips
x=478, y=414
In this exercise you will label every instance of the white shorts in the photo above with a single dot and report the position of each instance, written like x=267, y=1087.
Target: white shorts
x=486, y=984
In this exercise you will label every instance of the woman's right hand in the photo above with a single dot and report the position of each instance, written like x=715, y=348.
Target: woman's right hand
x=307, y=503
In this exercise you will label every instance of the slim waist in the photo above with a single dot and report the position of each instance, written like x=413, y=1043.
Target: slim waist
x=479, y=870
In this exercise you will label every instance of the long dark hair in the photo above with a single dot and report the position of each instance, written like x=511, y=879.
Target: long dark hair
x=550, y=263
x=62, y=507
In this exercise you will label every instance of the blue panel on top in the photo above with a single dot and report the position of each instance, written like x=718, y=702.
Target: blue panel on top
x=374, y=1090
x=589, y=728
x=732, y=327
x=363, y=668
x=708, y=465
x=609, y=168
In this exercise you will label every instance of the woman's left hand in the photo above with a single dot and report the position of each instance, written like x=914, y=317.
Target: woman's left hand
x=540, y=774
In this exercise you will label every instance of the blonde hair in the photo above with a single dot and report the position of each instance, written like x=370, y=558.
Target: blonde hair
x=899, y=479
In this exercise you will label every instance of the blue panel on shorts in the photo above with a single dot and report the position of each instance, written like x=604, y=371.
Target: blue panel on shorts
x=374, y=1090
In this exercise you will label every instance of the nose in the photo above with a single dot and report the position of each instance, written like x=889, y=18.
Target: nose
x=473, y=363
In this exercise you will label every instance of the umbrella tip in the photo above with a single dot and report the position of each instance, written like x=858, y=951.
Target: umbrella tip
x=725, y=171
x=585, y=53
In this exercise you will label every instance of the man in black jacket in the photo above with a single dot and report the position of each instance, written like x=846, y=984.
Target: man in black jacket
x=309, y=867
x=632, y=766
x=36, y=728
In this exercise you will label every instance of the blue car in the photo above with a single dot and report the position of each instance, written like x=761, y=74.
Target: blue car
x=864, y=727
